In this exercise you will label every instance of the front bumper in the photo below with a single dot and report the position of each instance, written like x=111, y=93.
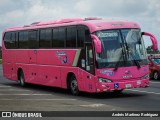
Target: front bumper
x=128, y=84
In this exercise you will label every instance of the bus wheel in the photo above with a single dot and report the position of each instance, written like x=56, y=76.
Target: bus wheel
x=155, y=75
x=21, y=78
x=73, y=85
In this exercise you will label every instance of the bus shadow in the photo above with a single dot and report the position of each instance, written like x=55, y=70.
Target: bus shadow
x=111, y=95
x=155, y=80
x=66, y=93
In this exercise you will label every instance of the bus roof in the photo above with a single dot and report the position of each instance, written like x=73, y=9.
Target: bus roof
x=94, y=24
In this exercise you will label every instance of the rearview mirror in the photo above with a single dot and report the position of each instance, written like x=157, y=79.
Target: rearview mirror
x=153, y=39
x=97, y=43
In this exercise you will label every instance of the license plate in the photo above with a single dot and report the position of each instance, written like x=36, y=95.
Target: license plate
x=128, y=85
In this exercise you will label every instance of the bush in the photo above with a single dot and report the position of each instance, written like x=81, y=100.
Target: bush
x=0, y=52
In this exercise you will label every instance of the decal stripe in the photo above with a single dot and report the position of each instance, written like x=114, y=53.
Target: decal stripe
x=76, y=58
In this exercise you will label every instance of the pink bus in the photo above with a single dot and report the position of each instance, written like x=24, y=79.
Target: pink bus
x=90, y=55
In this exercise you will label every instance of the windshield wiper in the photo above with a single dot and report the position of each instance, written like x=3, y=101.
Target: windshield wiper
x=135, y=61
x=122, y=54
x=131, y=54
x=117, y=63
x=133, y=57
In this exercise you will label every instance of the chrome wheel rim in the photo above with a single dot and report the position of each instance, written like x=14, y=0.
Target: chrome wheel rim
x=74, y=86
x=156, y=75
x=22, y=79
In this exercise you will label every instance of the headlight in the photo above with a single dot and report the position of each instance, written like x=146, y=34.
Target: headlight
x=104, y=80
x=146, y=76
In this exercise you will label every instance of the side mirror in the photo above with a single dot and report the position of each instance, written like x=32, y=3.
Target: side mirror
x=97, y=43
x=153, y=39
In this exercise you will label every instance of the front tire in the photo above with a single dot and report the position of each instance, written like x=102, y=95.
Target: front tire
x=73, y=85
x=21, y=79
x=155, y=75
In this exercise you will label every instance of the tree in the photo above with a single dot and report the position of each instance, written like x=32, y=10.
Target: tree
x=0, y=52
x=151, y=51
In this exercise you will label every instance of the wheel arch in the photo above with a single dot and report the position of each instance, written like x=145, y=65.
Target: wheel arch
x=18, y=72
x=156, y=71
x=68, y=78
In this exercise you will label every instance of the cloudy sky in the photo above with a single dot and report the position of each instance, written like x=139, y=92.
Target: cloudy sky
x=21, y=12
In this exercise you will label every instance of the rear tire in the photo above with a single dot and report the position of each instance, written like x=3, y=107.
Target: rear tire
x=73, y=85
x=21, y=79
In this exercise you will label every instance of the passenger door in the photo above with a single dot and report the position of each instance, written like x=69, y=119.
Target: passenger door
x=89, y=58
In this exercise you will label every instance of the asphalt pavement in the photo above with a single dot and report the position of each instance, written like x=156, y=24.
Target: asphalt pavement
x=13, y=97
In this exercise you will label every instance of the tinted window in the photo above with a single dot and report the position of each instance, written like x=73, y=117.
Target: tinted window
x=80, y=36
x=59, y=37
x=23, y=39
x=62, y=37
x=55, y=37
x=7, y=40
x=33, y=40
x=13, y=40
x=87, y=36
x=71, y=37
x=10, y=40
x=45, y=38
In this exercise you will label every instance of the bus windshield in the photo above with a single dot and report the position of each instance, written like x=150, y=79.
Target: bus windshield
x=122, y=47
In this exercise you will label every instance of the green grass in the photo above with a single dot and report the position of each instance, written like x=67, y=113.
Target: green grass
x=0, y=61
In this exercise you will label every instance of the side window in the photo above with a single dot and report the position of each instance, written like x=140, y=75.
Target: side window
x=49, y=38
x=87, y=35
x=62, y=37
x=10, y=40
x=23, y=39
x=13, y=40
x=59, y=37
x=7, y=40
x=45, y=38
x=55, y=37
x=20, y=36
x=80, y=36
x=33, y=40
x=71, y=37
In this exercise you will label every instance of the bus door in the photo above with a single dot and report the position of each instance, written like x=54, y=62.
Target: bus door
x=88, y=76
x=89, y=58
